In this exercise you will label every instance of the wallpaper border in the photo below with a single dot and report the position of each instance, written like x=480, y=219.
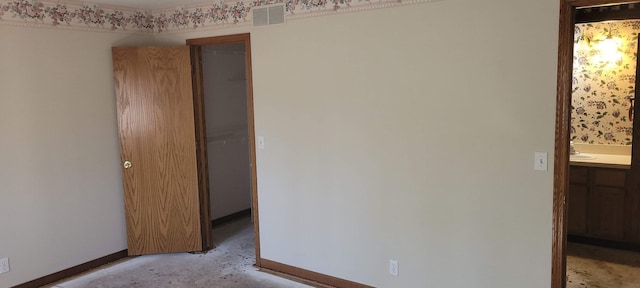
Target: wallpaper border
x=211, y=14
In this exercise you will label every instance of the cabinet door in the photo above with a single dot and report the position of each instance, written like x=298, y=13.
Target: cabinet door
x=578, y=209
x=633, y=207
x=578, y=175
x=606, y=212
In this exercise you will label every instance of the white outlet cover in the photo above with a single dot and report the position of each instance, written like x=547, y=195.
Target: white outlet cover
x=393, y=267
x=4, y=265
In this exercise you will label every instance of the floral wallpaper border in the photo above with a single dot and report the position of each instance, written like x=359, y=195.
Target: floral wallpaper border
x=209, y=14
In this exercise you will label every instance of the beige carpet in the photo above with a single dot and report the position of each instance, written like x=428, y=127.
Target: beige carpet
x=597, y=267
x=229, y=265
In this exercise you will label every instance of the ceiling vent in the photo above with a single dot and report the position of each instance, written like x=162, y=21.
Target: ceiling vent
x=268, y=15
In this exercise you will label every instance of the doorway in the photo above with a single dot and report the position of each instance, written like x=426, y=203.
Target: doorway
x=223, y=103
x=593, y=184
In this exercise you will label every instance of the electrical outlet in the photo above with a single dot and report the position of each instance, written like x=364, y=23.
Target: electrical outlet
x=4, y=265
x=393, y=267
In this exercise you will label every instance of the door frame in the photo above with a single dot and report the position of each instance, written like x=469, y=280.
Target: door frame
x=562, y=135
x=201, y=136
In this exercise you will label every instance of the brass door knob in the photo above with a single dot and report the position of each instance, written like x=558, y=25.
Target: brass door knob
x=127, y=164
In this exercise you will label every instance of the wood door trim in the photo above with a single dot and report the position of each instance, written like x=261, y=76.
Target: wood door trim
x=252, y=141
x=561, y=154
x=217, y=40
x=246, y=40
x=632, y=206
x=201, y=147
x=307, y=276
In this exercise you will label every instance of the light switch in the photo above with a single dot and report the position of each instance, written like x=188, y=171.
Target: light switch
x=540, y=159
x=260, y=142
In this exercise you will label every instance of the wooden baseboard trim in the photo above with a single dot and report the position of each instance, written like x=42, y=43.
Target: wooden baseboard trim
x=231, y=217
x=73, y=270
x=604, y=243
x=306, y=276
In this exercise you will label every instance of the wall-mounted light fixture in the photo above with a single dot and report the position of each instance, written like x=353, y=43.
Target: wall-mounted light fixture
x=609, y=49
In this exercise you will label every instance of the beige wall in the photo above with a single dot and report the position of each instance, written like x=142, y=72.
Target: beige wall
x=61, y=190
x=404, y=133
x=408, y=133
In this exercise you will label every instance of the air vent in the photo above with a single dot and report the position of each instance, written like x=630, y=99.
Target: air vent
x=268, y=15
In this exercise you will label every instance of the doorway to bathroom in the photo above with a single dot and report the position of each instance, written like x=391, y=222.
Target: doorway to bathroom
x=596, y=192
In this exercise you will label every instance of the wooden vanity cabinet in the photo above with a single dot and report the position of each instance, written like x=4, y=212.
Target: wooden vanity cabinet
x=598, y=206
x=578, y=200
x=632, y=208
x=607, y=203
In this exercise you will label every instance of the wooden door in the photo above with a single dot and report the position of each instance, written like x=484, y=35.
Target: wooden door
x=158, y=150
x=633, y=181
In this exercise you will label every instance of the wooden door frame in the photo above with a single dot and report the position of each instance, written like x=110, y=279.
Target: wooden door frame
x=562, y=135
x=201, y=136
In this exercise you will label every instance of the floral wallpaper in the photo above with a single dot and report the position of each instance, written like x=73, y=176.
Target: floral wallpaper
x=603, y=87
x=207, y=14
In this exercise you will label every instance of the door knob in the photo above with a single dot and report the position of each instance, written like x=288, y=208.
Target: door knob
x=127, y=164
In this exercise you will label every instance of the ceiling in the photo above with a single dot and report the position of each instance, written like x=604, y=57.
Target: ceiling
x=149, y=4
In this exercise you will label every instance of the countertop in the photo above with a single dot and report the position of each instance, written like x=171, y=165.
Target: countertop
x=603, y=161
